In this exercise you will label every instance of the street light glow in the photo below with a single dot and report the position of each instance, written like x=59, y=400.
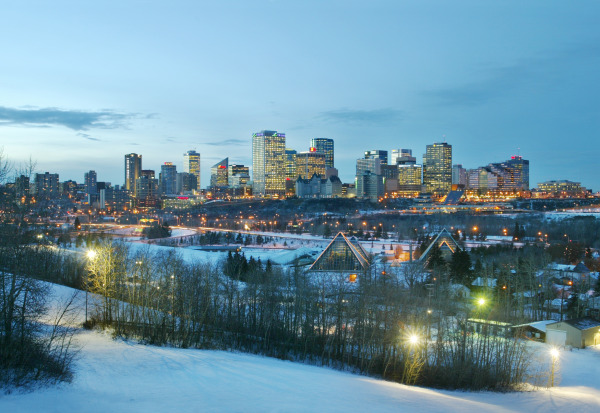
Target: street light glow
x=554, y=352
x=481, y=301
x=91, y=254
x=413, y=339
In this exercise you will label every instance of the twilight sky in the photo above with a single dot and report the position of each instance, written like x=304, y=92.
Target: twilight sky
x=83, y=83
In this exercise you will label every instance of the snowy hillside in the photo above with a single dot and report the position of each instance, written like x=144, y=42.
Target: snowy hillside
x=118, y=376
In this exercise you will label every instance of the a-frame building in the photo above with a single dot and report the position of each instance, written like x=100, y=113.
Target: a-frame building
x=445, y=243
x=342, y=255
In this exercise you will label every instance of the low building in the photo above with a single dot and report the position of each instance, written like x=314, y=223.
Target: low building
x=316, y=187
x=578, y=333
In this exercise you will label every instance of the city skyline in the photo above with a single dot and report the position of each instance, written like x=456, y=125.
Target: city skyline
x=85, y=85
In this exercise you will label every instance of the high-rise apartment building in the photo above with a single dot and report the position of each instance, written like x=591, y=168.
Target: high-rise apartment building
x=310, y=163
x=218, y=174
x=133, y=168
x=191, y=164
x=147, y=191
x=46, y=186
x=324, y=145
x=437, y=168
x=168, y=178
x=268, y=163
x=90, y=180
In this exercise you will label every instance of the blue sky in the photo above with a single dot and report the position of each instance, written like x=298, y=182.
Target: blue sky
x=82, y=83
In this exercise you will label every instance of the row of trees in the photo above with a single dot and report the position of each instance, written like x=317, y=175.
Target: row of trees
x=32, y=349
x=372, y=326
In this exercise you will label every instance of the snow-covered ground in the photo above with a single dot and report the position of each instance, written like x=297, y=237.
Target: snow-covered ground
x=121, y=376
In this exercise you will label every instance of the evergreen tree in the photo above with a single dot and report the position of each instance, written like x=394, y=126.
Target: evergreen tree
x=435, y=260
x=460, y=267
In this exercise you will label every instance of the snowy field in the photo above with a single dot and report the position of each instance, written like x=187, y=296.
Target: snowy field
x=120, y=376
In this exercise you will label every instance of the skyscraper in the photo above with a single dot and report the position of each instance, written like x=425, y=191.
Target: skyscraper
x=290, y=164
x=518, y=173
x=46, y=186
x=218, y=174
x=437, y=168
x=402, y=156
x=191, y=164
x=168, y=178
x=309, y=163
x=324, y=145
x=133, y=168
x=90, y=183
x=459, y=176
x=268, y=163
x=237, y=176
x=377, y=154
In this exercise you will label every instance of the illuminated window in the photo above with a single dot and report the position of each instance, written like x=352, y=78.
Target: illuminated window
x=352, y=278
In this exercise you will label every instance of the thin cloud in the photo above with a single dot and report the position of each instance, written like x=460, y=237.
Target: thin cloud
x=228, y=142
x=385, y=115
x=549, y=67
x=88, y=137
x=72, y=119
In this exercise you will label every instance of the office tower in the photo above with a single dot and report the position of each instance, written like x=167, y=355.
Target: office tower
x=290, y=164
x=459, y=176
x=561, y=188
x=400, y=154
x=218, y=174
x=437, y=168
x=409, y=180
x=517, y=173
x=268, y=163
x=369, y=186
x=310, y=163
x=46, y=186
x=372, y=165
x=191, y=164
x=238, y=176
x=133, y=166
x=168, y=178
x=186, y=183
x=90, y=183
x=377, y=154
x=324, y=145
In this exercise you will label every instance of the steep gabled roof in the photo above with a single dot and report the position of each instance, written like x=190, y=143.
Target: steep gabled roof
x=445, y=243
x=341, y=255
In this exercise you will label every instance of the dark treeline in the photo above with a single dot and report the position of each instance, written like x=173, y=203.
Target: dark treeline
x=373, y=326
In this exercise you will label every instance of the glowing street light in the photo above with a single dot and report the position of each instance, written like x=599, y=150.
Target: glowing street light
x=481, y=302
